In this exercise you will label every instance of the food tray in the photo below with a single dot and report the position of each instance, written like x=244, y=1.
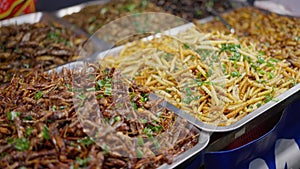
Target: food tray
x=91, y=45
x=76, y=8
x=203, y=139
x=282, y=100
x=179, y=160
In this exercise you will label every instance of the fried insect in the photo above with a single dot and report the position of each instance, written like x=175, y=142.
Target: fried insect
x=40, y=128
x=26, y=47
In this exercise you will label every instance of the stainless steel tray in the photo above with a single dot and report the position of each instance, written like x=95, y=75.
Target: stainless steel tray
x=203, y=139
x=73, y=9
x=42, y=17
x=28, y=18
x=202, y=143
x=282, y=100
x=93, y=44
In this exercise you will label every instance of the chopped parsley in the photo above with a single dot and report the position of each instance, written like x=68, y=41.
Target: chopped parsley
x=38, y=95
x=12, y=115
x=45, y=133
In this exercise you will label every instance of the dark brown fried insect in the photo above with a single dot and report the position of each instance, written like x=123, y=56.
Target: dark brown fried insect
x=25, y=47
x=40, y=129
x=275, y=35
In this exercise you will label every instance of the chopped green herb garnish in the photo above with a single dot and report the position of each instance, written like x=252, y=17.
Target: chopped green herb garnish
x=62, y=107
x=3, y=154
x=81, y=97
x=103, y=10
x=134, y=105
x=82, y=162
x=167, y=56
x=262, y=53
x=99, y=96
x=260, y=60
x=262, y=72
x=90, y=89
x=28, y=118
x=235, y=74
x=29, y=131
x=130, y=7
x=155, y=129
x=53, y=108
x=38, y=95
x=235, y=57
x=197, y=97
x=253, y=66
x=186, y=46
x=12, y=115
x=224, y=67
x=86, y=141
x=229, y=47
x=147, y=131
x=271, y=75
x=143, y=121
x=258, y=104
x=108, y=89
x=117, y=118
x=21, y=144
x=105, y=149
x=209, y=72
x=273, y=60
x=247, y=58
x=270, y=64
x=268, y=98
x=45, y=133
x=156, y=144
x=159, y=114
x=139, y=153
x=188, y=99
x=140, y=141
x=198, y=82
x=199, y=13
x=144, y=3
x=100, y=83
x=215, y=58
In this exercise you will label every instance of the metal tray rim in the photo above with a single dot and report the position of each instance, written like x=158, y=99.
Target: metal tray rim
x=203, y=141
x=27, y=18
x=77, y=8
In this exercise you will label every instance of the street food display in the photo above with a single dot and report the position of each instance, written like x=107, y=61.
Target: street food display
x=93, y=17
x=210, y=75
x=191, y=9
x=138, y=105
x=40, y=128
x=275, y=35
x=40, y=45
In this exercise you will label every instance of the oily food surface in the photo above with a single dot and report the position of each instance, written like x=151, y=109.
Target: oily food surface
x=91, y=18
x=40, y=128
x=39, y=45
x=209, y=75
x=192, y=9
x=277, y=36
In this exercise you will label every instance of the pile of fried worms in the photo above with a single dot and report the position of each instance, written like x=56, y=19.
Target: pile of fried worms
x=40, y=128
x=39, y=45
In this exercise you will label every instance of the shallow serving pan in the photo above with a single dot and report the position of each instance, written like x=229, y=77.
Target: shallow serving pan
x=195, y=151
x=93, y=44
x=76, y=8
x=37, y=17
x=182, y=159
x=281, y=101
